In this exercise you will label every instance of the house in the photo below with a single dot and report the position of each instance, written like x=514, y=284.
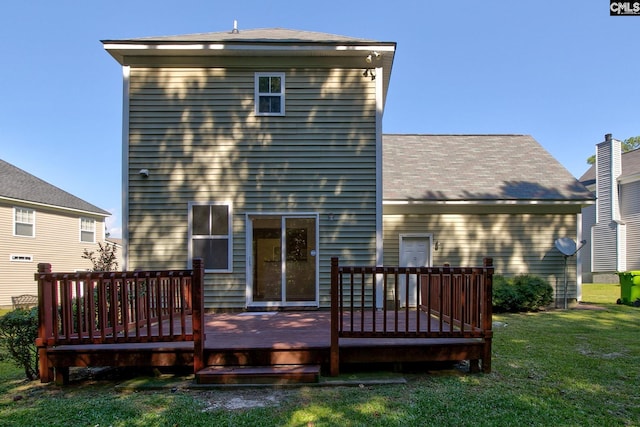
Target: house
x=261, y=151
x=41, y=223
x=612, y=225
x=257, y=150
x=450, y=198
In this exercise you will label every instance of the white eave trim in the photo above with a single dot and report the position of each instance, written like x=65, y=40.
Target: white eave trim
x=487, y=202
x=629, y=178
x=57, y=207
x=256, y=47
x=121, y=50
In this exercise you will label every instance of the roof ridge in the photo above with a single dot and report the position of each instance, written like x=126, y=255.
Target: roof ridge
x=22, y=185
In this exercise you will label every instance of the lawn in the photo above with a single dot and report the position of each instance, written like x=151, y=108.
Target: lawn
x=576, y=367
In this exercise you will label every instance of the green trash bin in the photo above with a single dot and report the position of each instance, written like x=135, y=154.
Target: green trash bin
x=630, y=288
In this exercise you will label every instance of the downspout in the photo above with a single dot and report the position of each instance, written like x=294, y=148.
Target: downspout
x=379, y=194
x=579, y=259
x=126, y=72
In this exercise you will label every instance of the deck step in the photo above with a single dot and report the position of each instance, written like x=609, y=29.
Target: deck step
x=275, y=374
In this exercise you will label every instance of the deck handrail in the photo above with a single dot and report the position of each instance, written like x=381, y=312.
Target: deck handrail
x=117, y=307
x=110, y=307
x=451, y=302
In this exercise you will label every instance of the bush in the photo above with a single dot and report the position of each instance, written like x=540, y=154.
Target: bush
x=18, y=332
x=524, y=292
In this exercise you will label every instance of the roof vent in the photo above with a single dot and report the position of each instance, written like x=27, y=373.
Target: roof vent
x=235, y=27
x=607, y=137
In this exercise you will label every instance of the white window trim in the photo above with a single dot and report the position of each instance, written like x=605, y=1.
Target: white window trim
x=86, y=231
x=258, y=94
x=229, y=205
x=33, y=224
x=20, y=258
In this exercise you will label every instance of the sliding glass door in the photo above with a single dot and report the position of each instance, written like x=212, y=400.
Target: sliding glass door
x=283, y=264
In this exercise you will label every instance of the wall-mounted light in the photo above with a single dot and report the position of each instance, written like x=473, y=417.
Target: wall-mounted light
x=372, y=56
x=144, y=173
x=437, y=246
x=331, y=216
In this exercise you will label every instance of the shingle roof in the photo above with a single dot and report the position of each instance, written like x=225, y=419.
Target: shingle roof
x=475, y=168
x=15, y=183
x=280, y=35
x=630, y=167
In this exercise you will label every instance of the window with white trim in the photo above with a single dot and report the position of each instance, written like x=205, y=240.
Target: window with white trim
x=210, y=235
x=24, y=222
x=269, y=92
x=87, y=230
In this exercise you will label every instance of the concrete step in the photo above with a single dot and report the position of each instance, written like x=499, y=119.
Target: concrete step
x=275, y=374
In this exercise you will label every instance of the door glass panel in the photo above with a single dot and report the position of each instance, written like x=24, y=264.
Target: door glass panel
x=267, y=255
x=300, y=267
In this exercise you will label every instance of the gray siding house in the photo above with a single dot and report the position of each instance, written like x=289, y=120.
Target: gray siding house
x=257, y=150
x=262, y=152
x=612, y=225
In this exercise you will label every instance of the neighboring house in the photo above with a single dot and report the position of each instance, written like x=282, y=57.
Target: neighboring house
x=261, y=151
x=117, y=243
x=41, y=223
x=612, y=225
x=456, y=198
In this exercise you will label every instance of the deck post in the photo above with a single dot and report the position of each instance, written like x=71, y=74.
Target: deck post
x=197, y=313
x=334, y=354
x=44, y=322
x=487, y=314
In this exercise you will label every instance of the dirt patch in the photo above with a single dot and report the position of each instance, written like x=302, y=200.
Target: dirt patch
x=244, y=399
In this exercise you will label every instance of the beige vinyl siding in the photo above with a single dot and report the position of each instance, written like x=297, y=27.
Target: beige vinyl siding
x=630, y=212
x=196, y=132
x=518, y=243
x=588, y=220
x=56, y=241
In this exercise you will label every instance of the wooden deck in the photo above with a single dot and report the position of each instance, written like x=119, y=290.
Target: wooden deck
x=157, y=319
x=266, y=339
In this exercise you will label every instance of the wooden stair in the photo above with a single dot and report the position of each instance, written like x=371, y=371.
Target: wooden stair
x=274, y=374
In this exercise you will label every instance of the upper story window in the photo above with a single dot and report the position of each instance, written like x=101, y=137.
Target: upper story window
x=269, y=89
x=87, y=230
x=210, y=235
x=24, y=222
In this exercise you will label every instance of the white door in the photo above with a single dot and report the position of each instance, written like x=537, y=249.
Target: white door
x=415, y=251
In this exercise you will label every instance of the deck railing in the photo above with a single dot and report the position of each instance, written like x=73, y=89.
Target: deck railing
x=409, y=302
x=119, y=307
x=113, y=307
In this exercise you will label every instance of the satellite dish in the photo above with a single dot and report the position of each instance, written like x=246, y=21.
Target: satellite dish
x=566, y=246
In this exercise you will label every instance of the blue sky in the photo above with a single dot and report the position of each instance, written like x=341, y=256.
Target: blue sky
x=564, y=72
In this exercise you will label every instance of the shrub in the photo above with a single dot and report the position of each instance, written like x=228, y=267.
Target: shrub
x=18, y=332
x=524, y=292
x=505, y=296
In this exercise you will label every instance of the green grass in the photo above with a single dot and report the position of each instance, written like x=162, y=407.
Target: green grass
x=600, y=293
x=554, y=368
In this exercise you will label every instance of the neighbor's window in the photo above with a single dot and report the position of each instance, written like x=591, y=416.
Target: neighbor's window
x=269, y=89
x=87, y=230
x=24, y=222
x=211, y=235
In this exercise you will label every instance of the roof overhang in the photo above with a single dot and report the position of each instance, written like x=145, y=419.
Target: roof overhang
x=23, y=202
x=483, y=207
x=352, y=54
